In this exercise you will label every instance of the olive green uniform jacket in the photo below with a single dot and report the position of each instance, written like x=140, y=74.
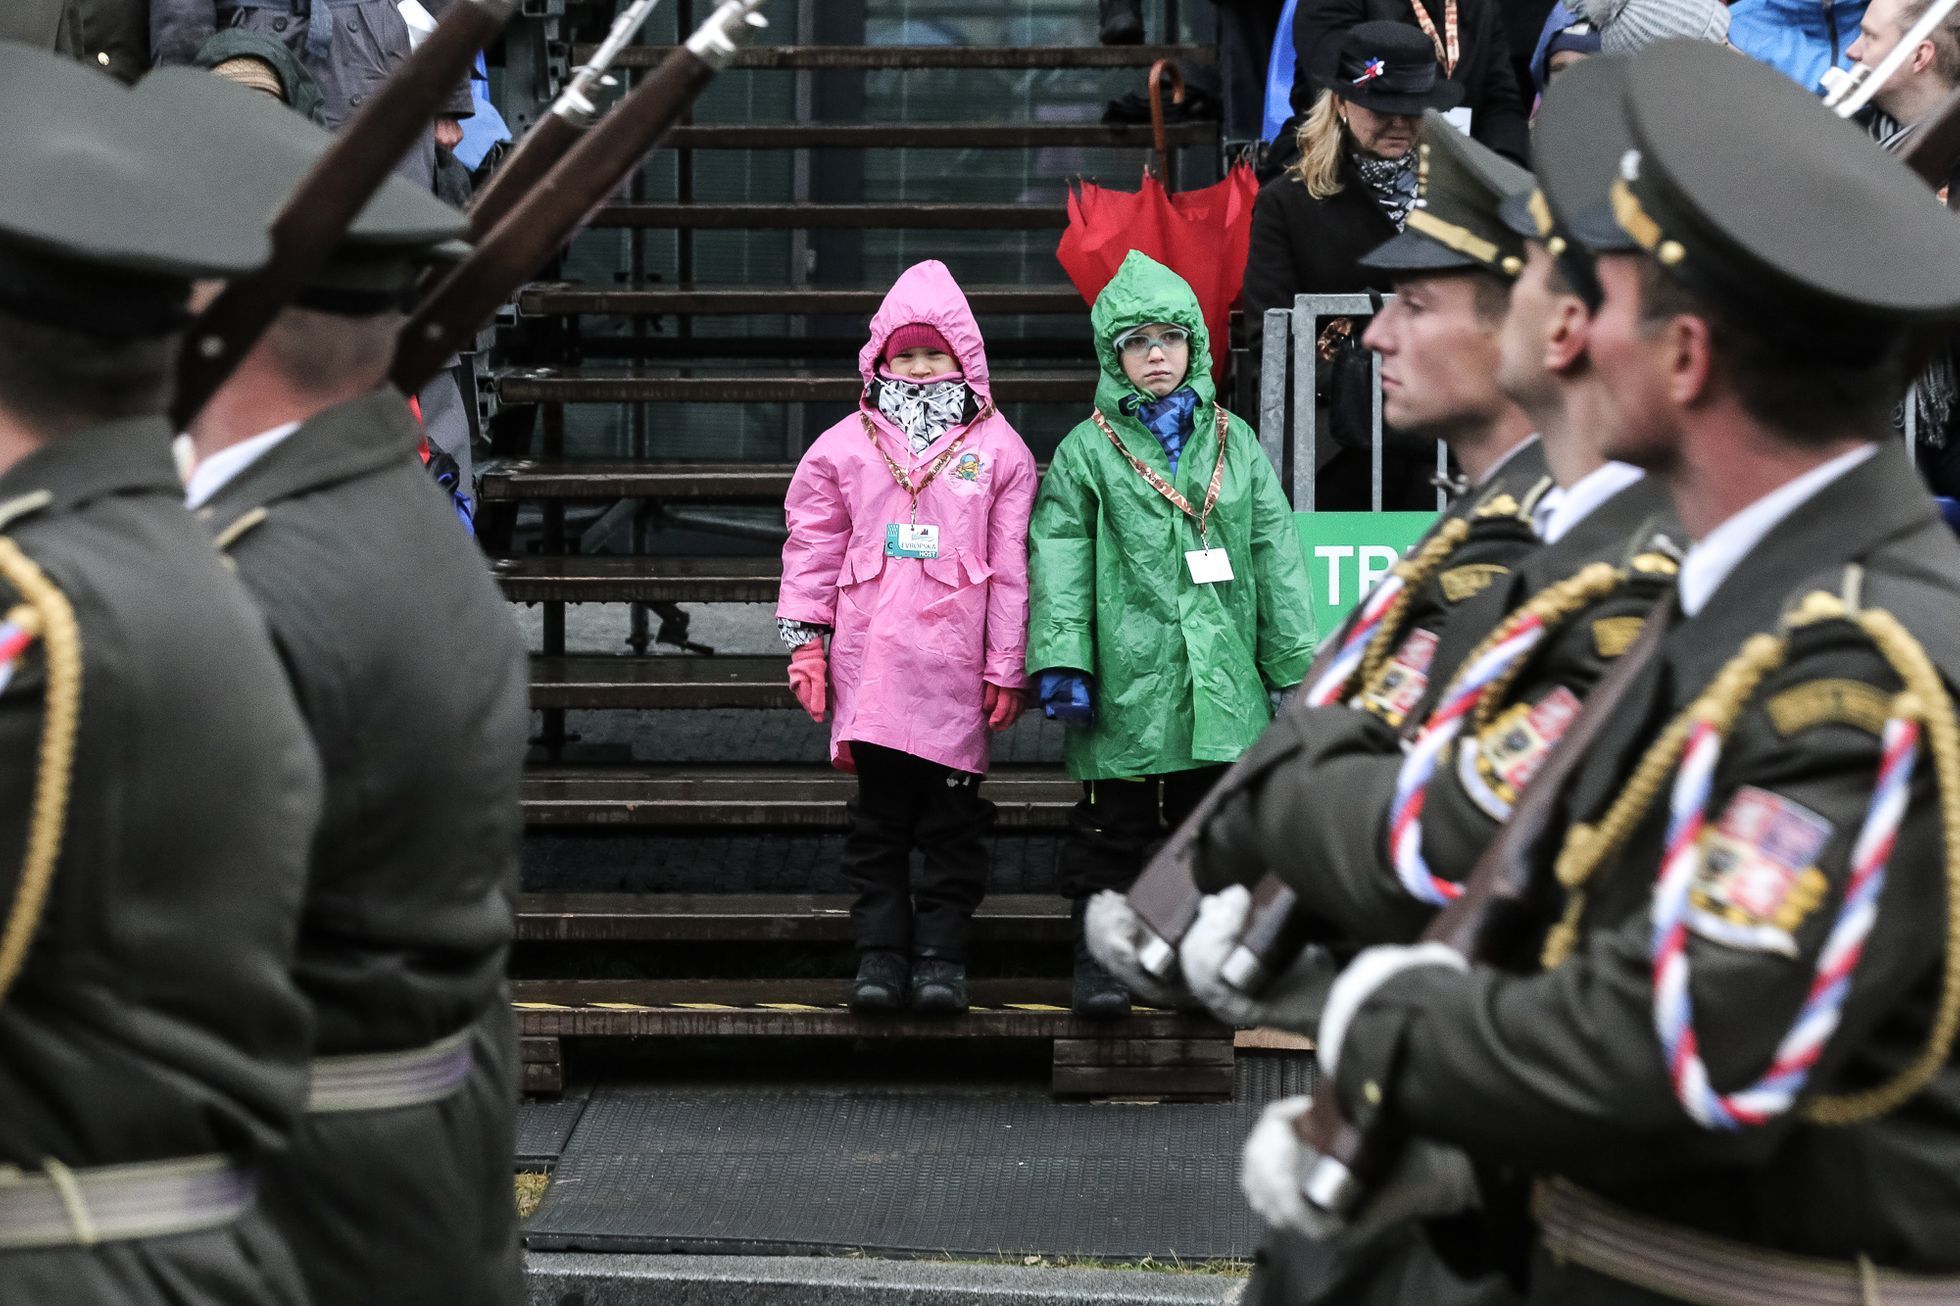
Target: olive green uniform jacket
x=1181, y=669
x=411, y=676
x=1317, y=808
x=155, y=1014
x=1561, y=1072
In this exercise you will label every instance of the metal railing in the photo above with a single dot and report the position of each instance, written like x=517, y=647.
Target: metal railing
x=1289, y=411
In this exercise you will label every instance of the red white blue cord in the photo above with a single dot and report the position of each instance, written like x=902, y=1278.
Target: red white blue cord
x=1333, y=683
x=1780, y=1086
x=1441, y=730
x=15, y=637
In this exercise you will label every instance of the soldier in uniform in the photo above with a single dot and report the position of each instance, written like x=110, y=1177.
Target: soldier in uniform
x=161, y=792
x=1733, y=1073
x=397, y=1189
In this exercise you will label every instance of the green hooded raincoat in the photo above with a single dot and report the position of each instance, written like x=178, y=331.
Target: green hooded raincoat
x=1181, y=669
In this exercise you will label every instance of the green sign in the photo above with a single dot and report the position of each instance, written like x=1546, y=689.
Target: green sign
x=1349, y=552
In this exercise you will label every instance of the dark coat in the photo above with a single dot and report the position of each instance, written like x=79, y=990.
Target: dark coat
x=156, y=1015
x=1499, y=116
x=370, y=40
x=412, y=678
x=115, y=36
x=1304, y=246
x=45, y=24
x=1560, y=1072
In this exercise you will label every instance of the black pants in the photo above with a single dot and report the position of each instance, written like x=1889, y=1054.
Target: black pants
x=905, y=802
x=1120, y=824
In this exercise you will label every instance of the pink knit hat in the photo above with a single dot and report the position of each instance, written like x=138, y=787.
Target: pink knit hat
x=916, y=335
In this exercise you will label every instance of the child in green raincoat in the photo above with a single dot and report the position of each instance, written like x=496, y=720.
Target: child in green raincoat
x=1168, y=591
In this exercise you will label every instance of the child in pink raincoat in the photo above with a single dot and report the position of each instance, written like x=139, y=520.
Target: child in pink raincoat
x=908, y=526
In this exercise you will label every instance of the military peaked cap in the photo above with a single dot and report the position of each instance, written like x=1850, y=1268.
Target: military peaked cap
x=270, y=149
x=1744, y=187
x=1455, y=222
x=106, y=215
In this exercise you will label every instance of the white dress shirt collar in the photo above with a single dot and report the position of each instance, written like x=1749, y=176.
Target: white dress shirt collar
x=209, y=475
x=1711, y=560
x=1574, y=503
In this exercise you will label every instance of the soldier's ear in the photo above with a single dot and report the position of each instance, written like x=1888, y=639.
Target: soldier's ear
x=1687, y=352
x=1571, y=327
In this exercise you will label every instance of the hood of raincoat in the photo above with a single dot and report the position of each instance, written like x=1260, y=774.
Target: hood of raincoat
x=1144, y=290
x=926, y=292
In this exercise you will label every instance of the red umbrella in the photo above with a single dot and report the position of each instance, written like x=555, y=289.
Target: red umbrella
x=1202, y=235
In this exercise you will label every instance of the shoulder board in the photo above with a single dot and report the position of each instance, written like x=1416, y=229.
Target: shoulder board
x=23, y=506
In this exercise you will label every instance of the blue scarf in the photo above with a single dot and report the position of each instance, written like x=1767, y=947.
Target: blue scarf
x=1169, y=419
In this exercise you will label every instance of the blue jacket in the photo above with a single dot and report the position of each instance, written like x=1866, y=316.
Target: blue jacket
x=1799, y=38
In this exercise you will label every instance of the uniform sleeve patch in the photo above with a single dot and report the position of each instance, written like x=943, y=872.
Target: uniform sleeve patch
x=1469, y=580
x=1759, y=879
x=1510, y=750
x=1822, y=702
x=1613, y=636
x=1400, y=685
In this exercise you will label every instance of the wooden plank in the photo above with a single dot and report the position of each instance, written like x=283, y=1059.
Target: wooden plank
x=1161, y=1052
x=791, y=216
x=628, y=386
x=712, y=917
x=668, y=1022
x=607, y=578
x=551, y=299
x=1272, y=1040
x=511, y=479
x=911, y=58
x=774, y=797
x=601, y=681
x=932, y=135
x=1142, y=1081
x=741, y=994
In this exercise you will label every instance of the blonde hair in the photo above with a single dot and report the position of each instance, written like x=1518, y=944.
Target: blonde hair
x=1319, y=165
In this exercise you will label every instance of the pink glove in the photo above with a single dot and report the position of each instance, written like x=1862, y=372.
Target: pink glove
x=807, y=676
x=1002, y=706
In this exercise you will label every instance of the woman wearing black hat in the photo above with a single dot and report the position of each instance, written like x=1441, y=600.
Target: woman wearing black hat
x=1349, y=190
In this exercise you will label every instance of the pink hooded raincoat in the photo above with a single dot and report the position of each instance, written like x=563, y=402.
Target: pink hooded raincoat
x=915, y=638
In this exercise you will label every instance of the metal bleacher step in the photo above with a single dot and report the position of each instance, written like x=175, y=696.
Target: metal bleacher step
x=606, y=681
x=933, y=135
x=836, y=217
x=919, y=57
x=605, y=578
x=617, y=385
x=800, y=797
x=515, y=479
x=557, y=300
x=736, y=917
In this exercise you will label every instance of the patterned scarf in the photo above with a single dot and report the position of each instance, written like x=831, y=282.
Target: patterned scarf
x=1392, y=181
x=924, y=410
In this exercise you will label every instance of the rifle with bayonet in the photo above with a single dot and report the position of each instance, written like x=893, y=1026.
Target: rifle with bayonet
x=557, y=208
x=318, y=214
x=575, y=109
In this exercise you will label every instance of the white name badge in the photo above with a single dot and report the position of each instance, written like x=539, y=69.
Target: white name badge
x=903, y=541
x=1208, y=566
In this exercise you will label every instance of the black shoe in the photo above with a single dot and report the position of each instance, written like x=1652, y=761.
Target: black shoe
x=938, y=986
x=881, y=982
x=1096, y=994
x=1122, y=22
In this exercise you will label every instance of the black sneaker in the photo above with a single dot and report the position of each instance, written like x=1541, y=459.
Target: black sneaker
x=881, y=982
x=1122, y=22
x=1097, y=994
x=938, y=986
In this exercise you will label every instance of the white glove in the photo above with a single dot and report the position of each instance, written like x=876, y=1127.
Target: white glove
x=1363, y=977
x=1291, y=1001
x=1427, y=1180
x=1116, y=934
